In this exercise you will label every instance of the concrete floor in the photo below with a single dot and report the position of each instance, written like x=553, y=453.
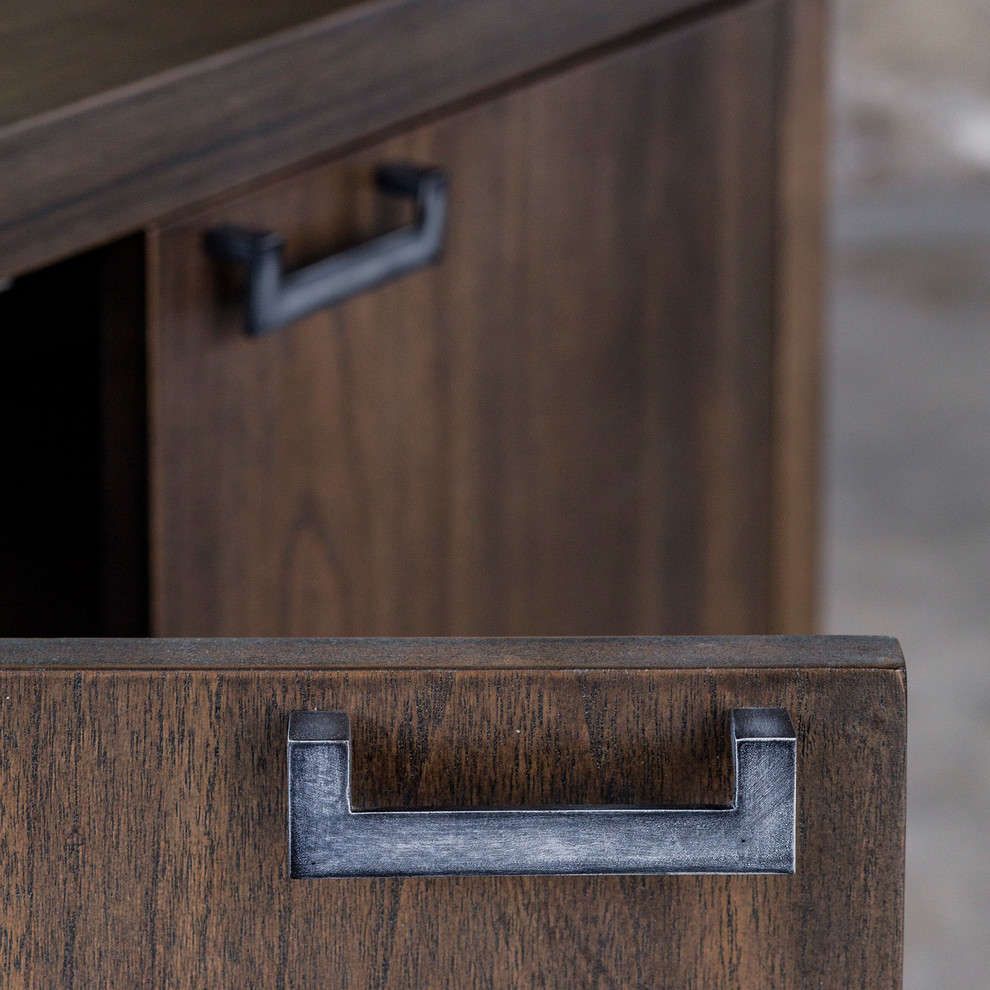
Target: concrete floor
x=908, y=528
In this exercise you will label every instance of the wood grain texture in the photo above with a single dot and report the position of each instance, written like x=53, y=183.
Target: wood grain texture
x=104, y=166
x=798, y=319
x=143, y=830
x=563, y=428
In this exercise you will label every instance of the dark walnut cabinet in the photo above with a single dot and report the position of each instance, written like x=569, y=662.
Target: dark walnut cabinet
x=595, y=414
x=592, y=419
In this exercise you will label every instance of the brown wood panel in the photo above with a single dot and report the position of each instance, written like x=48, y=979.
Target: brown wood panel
x=797, y=336
x=103, y=166
x=144, y=815
x=563, y=428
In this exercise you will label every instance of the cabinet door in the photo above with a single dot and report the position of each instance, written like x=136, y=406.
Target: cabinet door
x=563, y=427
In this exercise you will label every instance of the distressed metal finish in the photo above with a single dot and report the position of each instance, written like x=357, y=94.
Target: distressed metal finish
x=327, y=838
x=276, y=299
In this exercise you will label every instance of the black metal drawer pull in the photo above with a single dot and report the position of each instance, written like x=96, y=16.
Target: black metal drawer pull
x=276, y=298
x=755, y=834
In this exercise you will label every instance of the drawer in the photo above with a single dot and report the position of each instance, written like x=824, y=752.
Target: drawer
x=144, y=813
x=565, y=426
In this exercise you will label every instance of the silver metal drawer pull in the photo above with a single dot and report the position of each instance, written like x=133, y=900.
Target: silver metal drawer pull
x=276, y=298
x=755, y=834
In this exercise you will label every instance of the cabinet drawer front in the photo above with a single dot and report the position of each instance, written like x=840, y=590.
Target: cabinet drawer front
x=144, y=810
x=563, y=427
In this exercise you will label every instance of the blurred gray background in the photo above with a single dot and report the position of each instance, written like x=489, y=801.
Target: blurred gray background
x=907, y=527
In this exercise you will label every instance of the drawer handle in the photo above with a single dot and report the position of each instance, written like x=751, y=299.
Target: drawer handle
x=755, y=834
x=276, y=298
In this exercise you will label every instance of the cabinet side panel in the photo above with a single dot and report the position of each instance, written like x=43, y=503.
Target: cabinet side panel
x=144, y=830
x=796, y=467
x=562, y=428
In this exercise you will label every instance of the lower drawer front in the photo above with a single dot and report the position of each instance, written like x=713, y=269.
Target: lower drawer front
x=143, y=825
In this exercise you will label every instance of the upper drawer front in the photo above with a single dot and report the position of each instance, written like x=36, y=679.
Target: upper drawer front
x=143, y=821
x=563, y=427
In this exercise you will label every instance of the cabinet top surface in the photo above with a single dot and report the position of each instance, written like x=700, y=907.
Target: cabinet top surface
x=58, y=52
x=633, y=653
x=115, y=113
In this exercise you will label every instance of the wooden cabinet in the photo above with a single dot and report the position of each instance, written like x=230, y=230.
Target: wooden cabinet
x=594, y=415
x=143, y=821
